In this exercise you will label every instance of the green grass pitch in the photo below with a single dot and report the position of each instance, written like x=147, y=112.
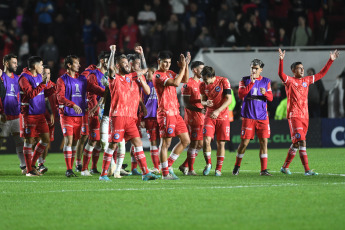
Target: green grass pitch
x=246, y=201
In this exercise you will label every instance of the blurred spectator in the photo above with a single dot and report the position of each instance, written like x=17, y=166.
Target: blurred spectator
x=297, y=10
x=111, y=31
x=195, y=12
x=61, y=36
x=146, y=18
x=225, y=15
x=90, y=32
x=281, y=111
x=237, y=109
x=231, y=36
x=174, y=32
x=270, y=34
x=44, y=10
x=314, y=10
x=129, y=36
x=24, y=50
x=336, y=98
x=205, y=39
x=272, y=106
x=301, y=34
x=278, y=11
x=283, y=39
x=178, y=7
x=248, y=36
x=161, y=10
x=321, y=33
x=156, y=40
x=316, y=96
x=19, y=19
x=192, y=32
x=49, y=52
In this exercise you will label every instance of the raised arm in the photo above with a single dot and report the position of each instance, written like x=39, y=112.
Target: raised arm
x=332, y=56
x=111, y=63
x=186, y=76
x=177, y=80
x=281, y=73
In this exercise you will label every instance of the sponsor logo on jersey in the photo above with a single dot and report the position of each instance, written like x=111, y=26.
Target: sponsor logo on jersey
x=298, y=135
x=217, y=88
x=170, y=76
x=170, y=130
x=158, y=75
x=116, y=136
x=304, y=84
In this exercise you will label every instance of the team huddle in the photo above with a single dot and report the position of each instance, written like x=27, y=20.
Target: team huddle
x=107, y=105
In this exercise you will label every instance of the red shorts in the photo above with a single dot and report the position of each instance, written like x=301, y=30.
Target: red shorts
x=152, y=128
x=250, y=126
x=298, y=129
x=85, y=124
x=171, y=126
x=219, y=127
x=33, y=125
x=71, y=126
x=122, y=127
x=195, y=132
x=94, y=126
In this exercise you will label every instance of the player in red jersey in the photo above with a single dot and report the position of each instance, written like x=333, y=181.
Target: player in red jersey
x=71, y=95
x=216, y=95
x=125, y=97
x=297, y=108
x=194, y=117
x=33, y=92
x=255, y=90
x=170, y=122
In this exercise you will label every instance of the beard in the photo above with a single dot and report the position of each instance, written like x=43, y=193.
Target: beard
x=11, y=69
x=124, y=70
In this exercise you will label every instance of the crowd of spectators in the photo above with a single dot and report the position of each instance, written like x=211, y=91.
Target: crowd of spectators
x=54, y=29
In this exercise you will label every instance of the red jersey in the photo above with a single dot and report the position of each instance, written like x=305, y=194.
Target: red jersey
x=215, y=92
x=191, y=89
x=125, y=96
x=297, y=90
x=167, y=96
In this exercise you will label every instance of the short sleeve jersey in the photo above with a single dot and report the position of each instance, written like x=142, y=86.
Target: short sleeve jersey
x=215, y=92
x=167, y=96
x=124, y=96
x=192, y=89
x=297, y=93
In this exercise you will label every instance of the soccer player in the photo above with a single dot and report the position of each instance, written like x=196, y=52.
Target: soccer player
x=123, y=113
x=170, y=122
x=93, y=147
x=150, y=120
x=71, y=95
x=194, y=117
x=10, y=109
x=255, y=91
x=32, y=89
x=297, y=107
x=216, y=95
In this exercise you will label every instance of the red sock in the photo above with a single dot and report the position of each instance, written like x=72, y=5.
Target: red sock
x=74, y=152
x=141, y=159
x=27, y=151
x=95, y=157
x=304, y=157
x=191, y=158
x=263, y=161
x=207, y=156
x=185, y=163
x=220, y=160
x=239, y=158
x=39, y=149
x=291, y=154
x=154, y=156
x=165, y=168
x=67, y=152
x=106, y=161
x=87, y=156
x=172, y=158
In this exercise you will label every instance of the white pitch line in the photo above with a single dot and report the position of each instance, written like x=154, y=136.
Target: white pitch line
x=172, y=188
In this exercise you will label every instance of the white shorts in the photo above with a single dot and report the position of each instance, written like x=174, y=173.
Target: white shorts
x=104, y=125
x=9, y=127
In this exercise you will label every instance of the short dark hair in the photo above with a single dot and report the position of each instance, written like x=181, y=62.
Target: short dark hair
x=195, y=64
x=33, y=60
x=69, y=60
x=293, y=66
x=132, y=57
x=8, y=58
x=208, y=71
x=118, y=58
x=46, y=67
x=257, y=62
x=103, y=55
x=166, y=54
